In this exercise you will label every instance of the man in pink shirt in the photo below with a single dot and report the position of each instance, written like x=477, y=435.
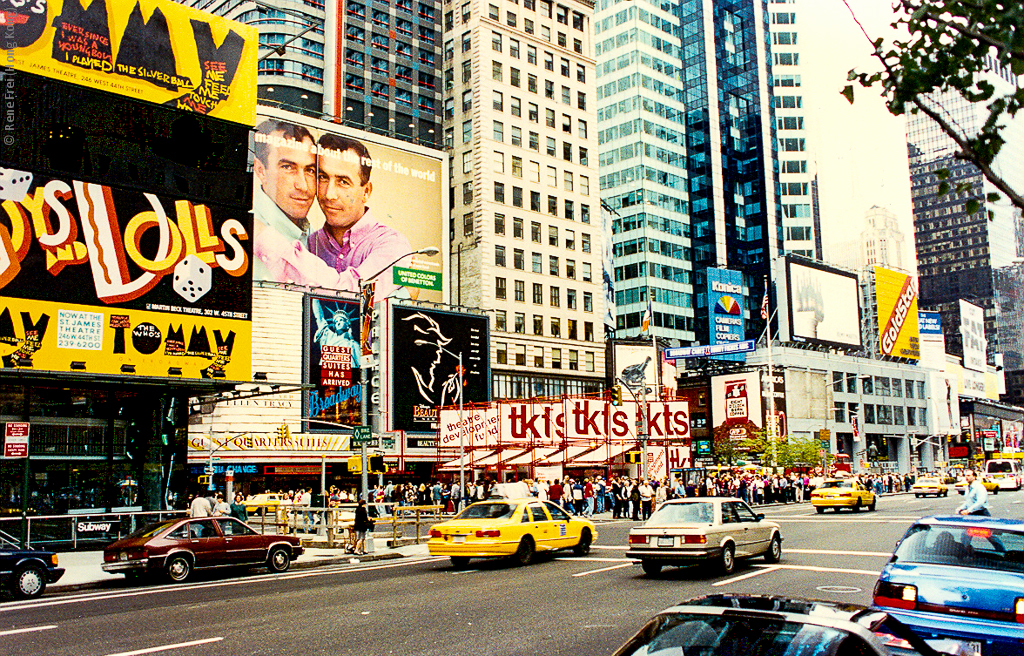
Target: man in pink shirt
x=351, y=245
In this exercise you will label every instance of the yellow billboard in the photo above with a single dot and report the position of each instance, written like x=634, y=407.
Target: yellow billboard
x=896, y=295
x=153, y=50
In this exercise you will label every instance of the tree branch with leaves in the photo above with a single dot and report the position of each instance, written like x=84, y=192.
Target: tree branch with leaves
x=950, y=48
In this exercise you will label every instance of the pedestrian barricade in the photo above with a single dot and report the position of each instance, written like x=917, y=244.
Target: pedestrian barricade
x=418, y=516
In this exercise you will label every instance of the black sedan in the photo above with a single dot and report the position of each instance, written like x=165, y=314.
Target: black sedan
x=26, y=572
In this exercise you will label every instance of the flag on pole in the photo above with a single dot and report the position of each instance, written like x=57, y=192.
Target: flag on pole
x=645, y=323
x=764, y=305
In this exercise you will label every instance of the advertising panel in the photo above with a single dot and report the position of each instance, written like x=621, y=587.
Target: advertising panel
x=824, y=304
x=336, y=206
x=898, y=333
x=736, y=406
x=424, y=352
x=108, y=280
x=635, y=367
x=152, y=50
x=333, y=356
x=725, y=310
x=972, y=329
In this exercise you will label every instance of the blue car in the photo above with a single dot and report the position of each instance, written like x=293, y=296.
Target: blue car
x=962, y=578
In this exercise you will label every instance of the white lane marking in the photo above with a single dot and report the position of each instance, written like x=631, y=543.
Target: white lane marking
x=748, y=575
x=830, y=552
x=836, y=570
x=591, y=559
x=319, y=571
x=890, y=520
x=29, y=630
x=608, y=547
x=153, y=650
x=603, y=569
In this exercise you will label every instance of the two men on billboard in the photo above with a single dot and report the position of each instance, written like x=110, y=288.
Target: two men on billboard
x=291, y=171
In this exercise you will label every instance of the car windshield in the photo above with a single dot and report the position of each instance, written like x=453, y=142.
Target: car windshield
x=836, y=484
x=683, y=513
x=488, y=511
x=153, y=529
x=680, y=634
x=963, y=546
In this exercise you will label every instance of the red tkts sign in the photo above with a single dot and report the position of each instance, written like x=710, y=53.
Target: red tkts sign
x=16, y=439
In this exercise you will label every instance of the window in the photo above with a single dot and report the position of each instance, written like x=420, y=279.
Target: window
x=520, y=294
x=499, y=192
x=569, y=210
x=573, y=354
x=532, y=114
x=549, y=61
x=500, y=291
x=499, y=256
x=570, y=269
x=564, y=68
x=538, y=293
x=495, y=42
x=520, y=327
x=588, y=306
x=535, y=232
x=535, y=201
x=570, y=303
x=500, y=316
x=549, y=89
x=517, y=136
x=501, y=352
x=531, y=83
x=531, y=54
x=467, y=131
x=538, y=358
x=588, y=356
x=535, y=145
x=553, y=265
x=552, y=235
x=499, y=224
x=585, y=242
x=465, y=12
x=510, y=19
x=584, y=159
x=567, y=180
x=467, y=192
x=556, y=358
x=467, y=100
x=518, y=259
x=581, y=73
x=567, y=123
x=552, y=206
x=581, y=100
x=551, y=143
x=566, y=96
x=537, y=261
x=584, y=213
x=498, y=101
x=521, y=349
x=467, y=71
x=499, y=162
x=496, y=71
x=534, y=171
x=909, y=388
x=493, y=13
x=467, y=42
x=499, y=131
x=528, y=26
x=587, y=277
x=517, y=228
x=467, y=161
x=570, y=239
x=467, y=224
x=556, y=327
x=552, y=176
x=449, y=138
x=538, y=323
x=513, y=48
x=582, y=129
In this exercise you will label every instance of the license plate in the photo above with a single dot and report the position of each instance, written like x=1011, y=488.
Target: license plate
x=666, y=542
x=124, y=556
x=458, y=539
x=974, y=646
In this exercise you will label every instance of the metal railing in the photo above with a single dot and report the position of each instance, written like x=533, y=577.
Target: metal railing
x=72, y=532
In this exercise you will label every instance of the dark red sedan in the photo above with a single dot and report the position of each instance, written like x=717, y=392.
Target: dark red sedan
x=176, y=547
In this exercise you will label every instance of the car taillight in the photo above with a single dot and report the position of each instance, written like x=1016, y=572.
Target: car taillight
x=1018, y=610
x=638, y=539
x=137, y=554
x=493, y=533
x=695, y=539
x=895, y=595
x=434, y=533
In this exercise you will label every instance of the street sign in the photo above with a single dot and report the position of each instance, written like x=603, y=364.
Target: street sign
x=684, y=352
x=417, y=278
x=387, y=442
x=703, y=447
x=209, y=469
x=361, y=434
x=16, y=439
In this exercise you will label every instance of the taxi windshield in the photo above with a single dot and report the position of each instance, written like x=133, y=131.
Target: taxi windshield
x=837, y=484
x=488, y=511
x=683, y=513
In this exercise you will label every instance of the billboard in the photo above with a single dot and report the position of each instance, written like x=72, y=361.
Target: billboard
x=152, y=50
x=896, y=295
x=332, y=357
x=824, y=304
x=335, y=206
x=636, y=367
x=725, y=310
x=972, y=329
x=107, y=280
x=736, y=407
x=424, y=364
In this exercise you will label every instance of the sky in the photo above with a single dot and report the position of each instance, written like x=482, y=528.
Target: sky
x=861, y=149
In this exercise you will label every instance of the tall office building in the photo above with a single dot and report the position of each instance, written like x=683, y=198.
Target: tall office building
x=526, y=236
x=688, y=156
x=366, y=63
x=801, y=231
x=880, y=243
x=961, y=255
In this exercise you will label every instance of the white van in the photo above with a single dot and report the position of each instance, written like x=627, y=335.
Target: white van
x=1006, y=473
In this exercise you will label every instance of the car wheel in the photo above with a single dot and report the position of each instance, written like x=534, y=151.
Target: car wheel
x=460, y=562
x=871, y=506
x=29, y=582
x=650, y=567
x=524, y=554
x=582, y=547
x=821, y=511
x=279, y=560
x=996, y=491
x=774, y=553
x=917, y=496
x=856, y=506
x=179, y=568
x=727, y=561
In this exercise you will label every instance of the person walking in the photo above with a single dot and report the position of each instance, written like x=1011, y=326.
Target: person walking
x=975, y=497
x=200, y=507
x=362, y=524
x=646, y=498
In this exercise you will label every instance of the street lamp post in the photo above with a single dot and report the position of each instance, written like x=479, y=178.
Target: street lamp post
x=363, y=414
x=641, y=421
x=462, y=429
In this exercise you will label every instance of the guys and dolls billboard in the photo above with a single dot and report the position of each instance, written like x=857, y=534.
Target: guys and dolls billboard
x=332, y=355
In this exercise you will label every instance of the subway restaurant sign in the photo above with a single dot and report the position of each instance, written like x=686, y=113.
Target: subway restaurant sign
x=417, y=278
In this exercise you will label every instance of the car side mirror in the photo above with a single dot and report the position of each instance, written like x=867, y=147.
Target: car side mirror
x=760, y=517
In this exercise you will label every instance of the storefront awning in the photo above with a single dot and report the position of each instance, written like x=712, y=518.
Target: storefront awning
x=470, y=460
x=531, y=456
x=601, y=454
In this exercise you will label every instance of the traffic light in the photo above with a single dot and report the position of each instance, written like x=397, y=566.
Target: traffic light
x=355, y=465
x=283, y=432
x=616, y=394
x=375, y=464
x=204, y=479
x=633, y=456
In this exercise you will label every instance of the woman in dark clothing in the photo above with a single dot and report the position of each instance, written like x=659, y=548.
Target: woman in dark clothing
x=362, y=524
x=238, y=509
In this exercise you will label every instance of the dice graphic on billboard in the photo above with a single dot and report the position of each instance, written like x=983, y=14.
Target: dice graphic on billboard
x=14, y=184
x=192, y=278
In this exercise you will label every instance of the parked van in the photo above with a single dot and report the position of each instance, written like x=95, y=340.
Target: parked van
x=1006, y=473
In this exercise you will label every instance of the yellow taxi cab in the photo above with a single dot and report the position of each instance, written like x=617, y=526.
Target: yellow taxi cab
x=990, y=485
x=929, y=485
x=267, y=502
x=518, y=528
x=842, y=493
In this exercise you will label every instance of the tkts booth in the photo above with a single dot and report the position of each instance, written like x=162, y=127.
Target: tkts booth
x=125, y=282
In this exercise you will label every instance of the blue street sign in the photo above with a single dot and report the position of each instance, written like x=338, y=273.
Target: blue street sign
x=684, y=352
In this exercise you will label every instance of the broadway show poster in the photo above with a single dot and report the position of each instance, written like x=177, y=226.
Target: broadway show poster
x=95, y=277
x=333, y=357
x=153, y=50
x=425, y=374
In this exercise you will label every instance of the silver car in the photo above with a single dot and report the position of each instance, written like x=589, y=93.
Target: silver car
x=703, y=529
